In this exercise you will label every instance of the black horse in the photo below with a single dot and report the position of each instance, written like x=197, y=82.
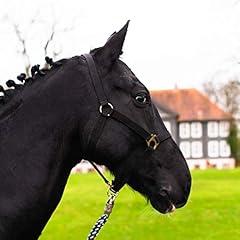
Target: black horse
x=93, y=107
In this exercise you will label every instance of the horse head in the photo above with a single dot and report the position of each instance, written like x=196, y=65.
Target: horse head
x=159, y=172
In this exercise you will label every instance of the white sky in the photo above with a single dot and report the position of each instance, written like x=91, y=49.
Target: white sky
x=169, y=43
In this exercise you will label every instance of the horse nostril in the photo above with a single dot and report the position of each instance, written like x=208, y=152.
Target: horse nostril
x=164, y=191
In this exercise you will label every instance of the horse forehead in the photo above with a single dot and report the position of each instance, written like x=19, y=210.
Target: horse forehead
x=126, y=79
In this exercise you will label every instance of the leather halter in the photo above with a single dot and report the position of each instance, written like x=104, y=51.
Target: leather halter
x=107, y=110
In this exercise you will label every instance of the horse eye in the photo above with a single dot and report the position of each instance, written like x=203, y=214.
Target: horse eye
x=141, y=98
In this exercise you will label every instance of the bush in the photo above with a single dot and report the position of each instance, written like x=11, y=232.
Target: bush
x=234, y=142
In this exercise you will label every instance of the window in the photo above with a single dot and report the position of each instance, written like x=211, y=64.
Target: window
x=213, y=149
x=212, y=129
x=224, y=128
x=224, y=149
x=184, y=129
x=196, y=130
x=197, y=151
x=185, y=148
x=168, y=126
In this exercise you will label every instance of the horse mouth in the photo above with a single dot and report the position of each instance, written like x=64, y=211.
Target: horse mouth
x=162, y=203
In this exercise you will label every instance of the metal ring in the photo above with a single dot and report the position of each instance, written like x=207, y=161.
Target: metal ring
x=106, y=105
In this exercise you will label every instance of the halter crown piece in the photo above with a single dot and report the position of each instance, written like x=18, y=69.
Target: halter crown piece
x=107, y=110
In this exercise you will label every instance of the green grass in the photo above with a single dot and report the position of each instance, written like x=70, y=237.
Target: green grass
x=212, y=213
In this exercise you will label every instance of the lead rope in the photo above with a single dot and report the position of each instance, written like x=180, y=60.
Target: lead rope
x=103, y=219
x=112, y=194
x=101, y=175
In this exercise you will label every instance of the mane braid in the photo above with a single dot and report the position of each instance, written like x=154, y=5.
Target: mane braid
x=36, y=73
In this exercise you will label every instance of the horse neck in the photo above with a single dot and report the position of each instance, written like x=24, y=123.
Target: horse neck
x=39, y=144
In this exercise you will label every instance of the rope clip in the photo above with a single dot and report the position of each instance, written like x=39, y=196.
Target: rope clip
x=110, y=202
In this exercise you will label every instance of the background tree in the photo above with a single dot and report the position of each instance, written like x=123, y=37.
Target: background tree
x=23, y=50
x=234, y=142
x=227, y=95
x=24, y=41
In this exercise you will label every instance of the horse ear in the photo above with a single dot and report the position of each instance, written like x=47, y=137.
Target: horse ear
x=110, y=52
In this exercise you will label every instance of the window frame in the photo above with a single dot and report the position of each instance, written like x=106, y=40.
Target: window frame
x=199, y=152
x=185, y=147
x=215, y=153
x=224, y=149
x=224, y=129
x=184, y=130
x=213, y=132
x=196, y=130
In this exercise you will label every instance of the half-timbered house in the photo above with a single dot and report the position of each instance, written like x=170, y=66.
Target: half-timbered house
x=199, y=127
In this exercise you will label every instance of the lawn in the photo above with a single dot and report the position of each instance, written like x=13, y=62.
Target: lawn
x=213, y=211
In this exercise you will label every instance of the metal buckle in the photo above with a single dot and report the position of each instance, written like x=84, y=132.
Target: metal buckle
x=106, y=109
x=152, y=141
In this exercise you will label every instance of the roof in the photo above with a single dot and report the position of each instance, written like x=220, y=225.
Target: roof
x=165, y=109
x=190, y=104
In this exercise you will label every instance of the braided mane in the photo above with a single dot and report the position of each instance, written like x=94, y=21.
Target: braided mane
x=15, y=88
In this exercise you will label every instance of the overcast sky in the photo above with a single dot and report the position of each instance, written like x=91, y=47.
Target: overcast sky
x=169, y=43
